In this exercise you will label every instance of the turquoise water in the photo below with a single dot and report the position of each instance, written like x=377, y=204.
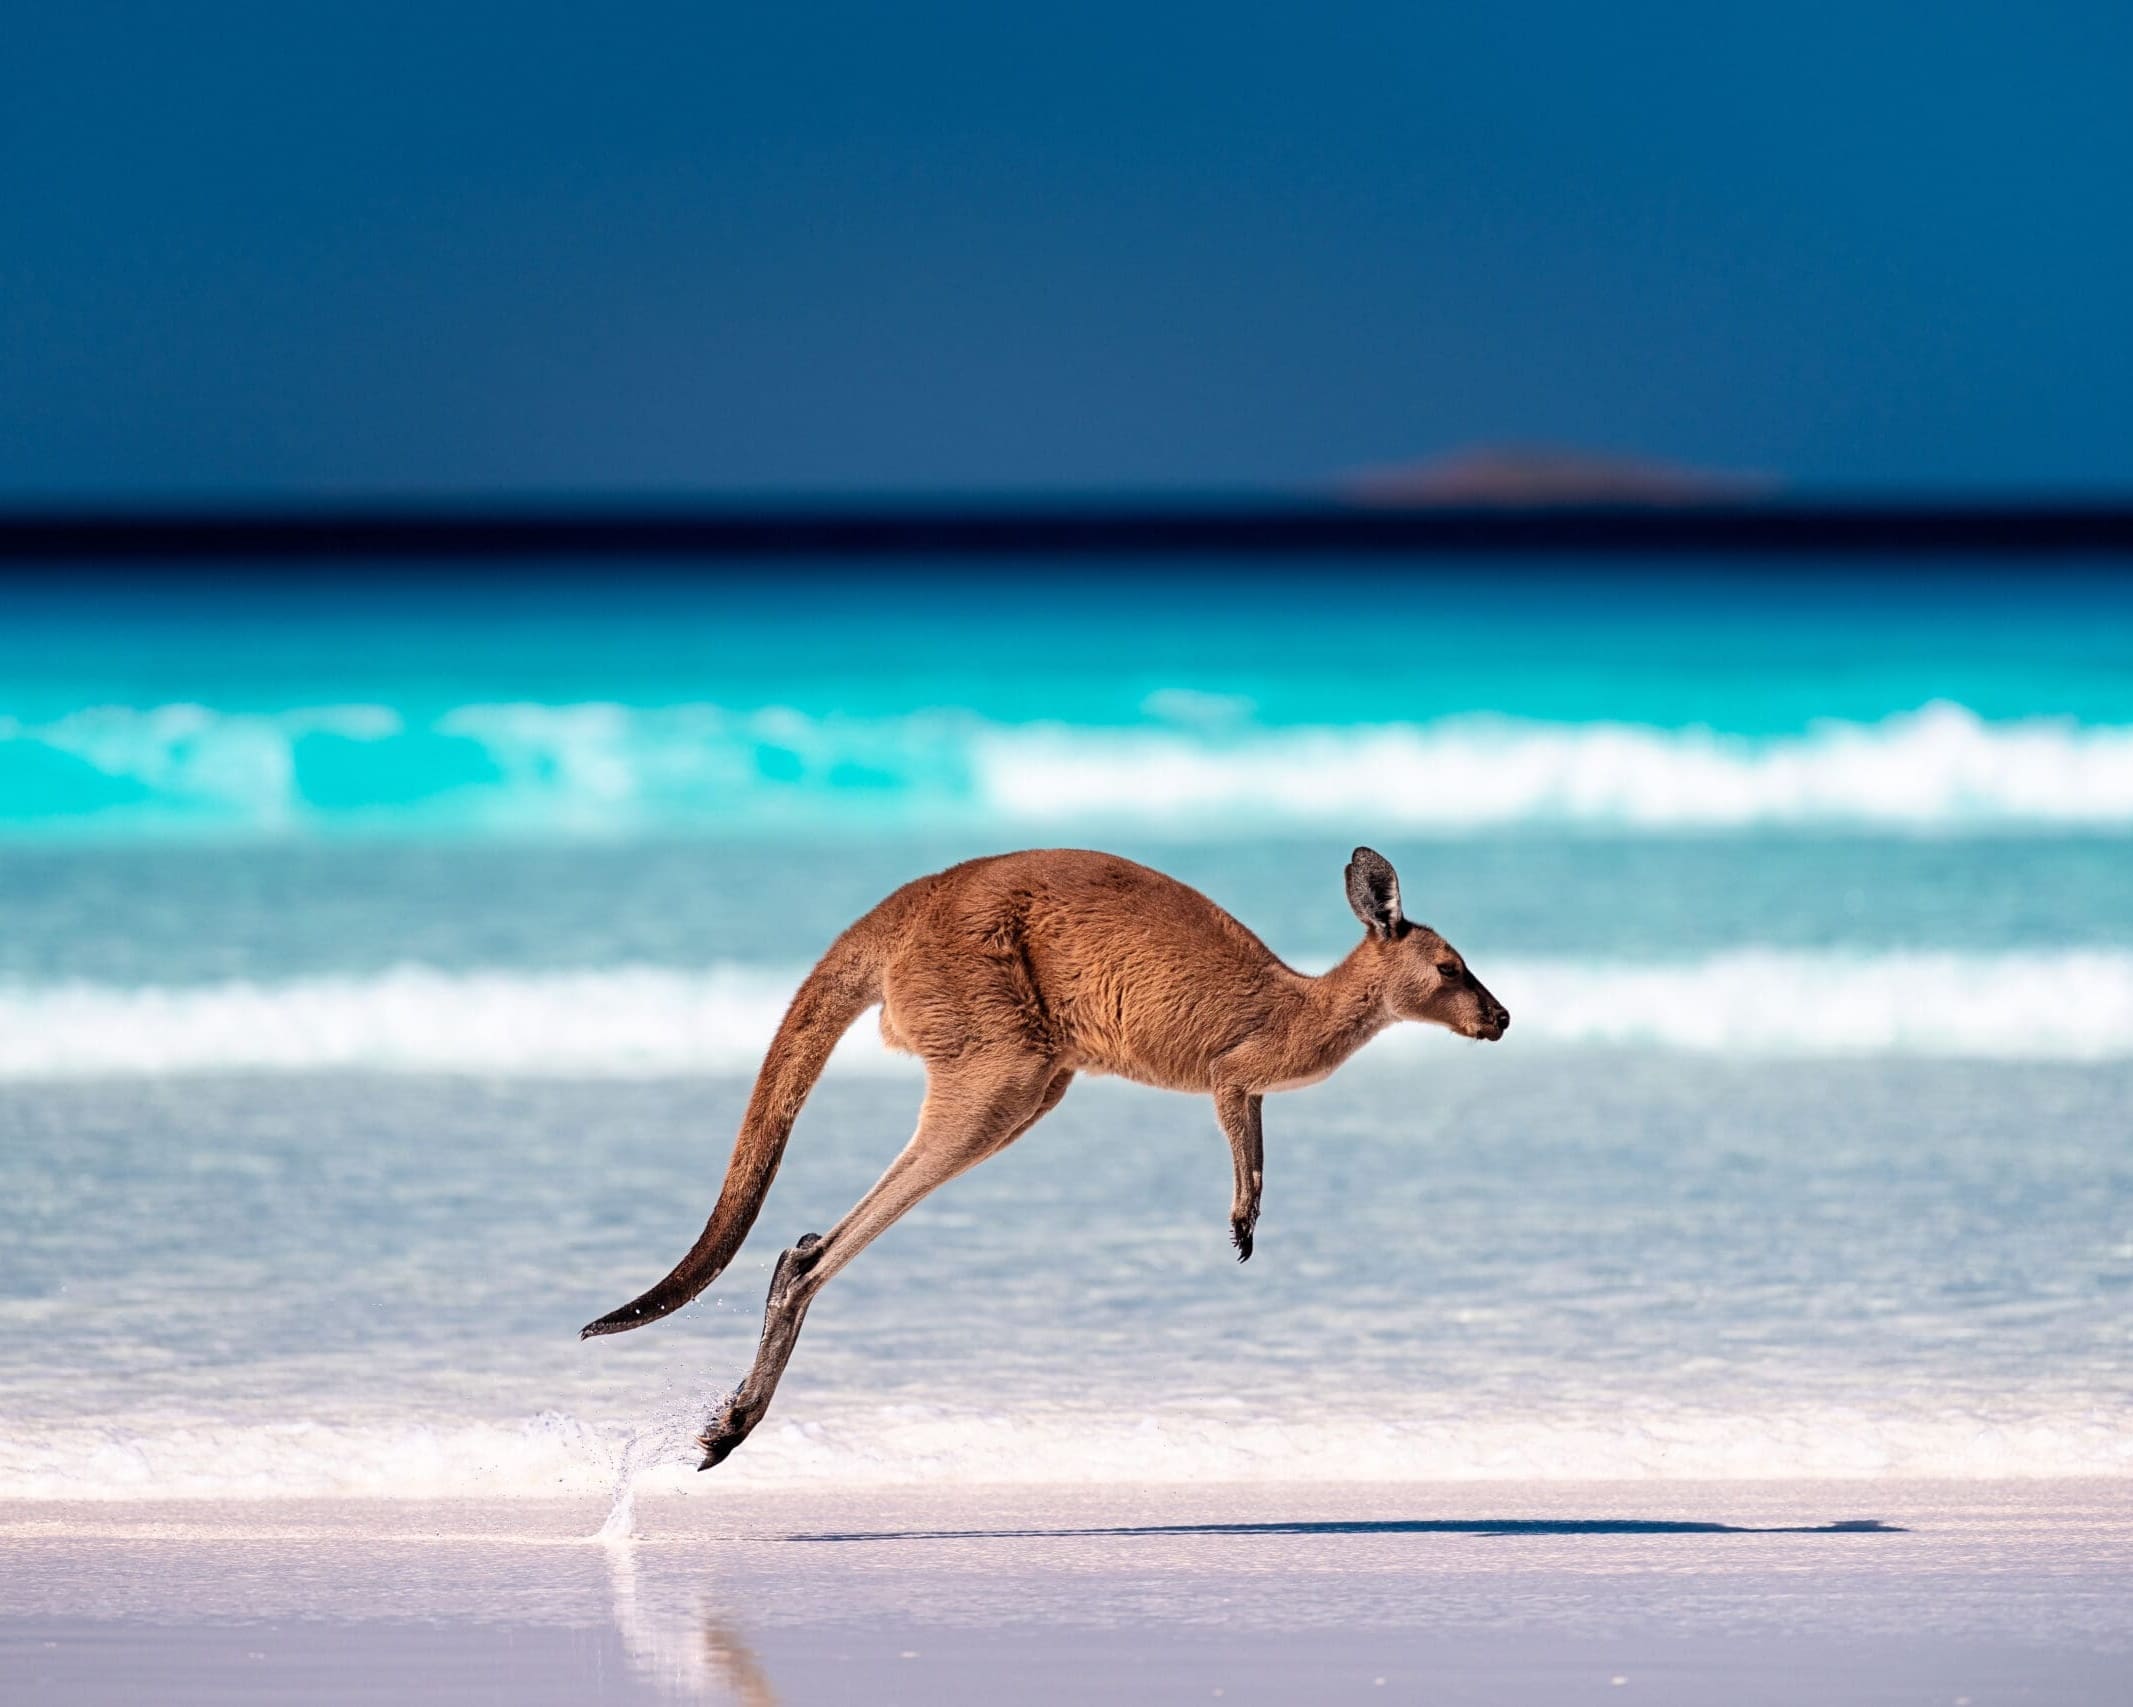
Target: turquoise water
x=386, y=959
x=1197, y=703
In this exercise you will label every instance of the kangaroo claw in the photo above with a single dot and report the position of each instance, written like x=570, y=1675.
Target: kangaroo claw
x=718, y=1447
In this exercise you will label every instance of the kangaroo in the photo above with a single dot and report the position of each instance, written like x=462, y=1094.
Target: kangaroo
x=1009, y=975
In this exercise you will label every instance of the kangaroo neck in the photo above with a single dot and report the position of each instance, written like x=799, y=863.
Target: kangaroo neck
x=1344, y=1008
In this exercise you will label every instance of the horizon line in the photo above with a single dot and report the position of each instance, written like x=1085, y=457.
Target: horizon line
x=494, y=529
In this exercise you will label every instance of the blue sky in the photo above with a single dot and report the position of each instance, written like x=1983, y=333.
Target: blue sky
x=282, y=250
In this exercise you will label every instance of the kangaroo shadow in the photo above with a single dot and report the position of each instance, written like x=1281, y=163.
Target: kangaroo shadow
x=1528, y=1526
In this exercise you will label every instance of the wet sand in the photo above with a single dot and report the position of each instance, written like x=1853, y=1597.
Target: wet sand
x=1497, y=1591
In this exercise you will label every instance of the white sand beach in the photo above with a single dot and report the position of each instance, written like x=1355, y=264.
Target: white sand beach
x=1852, y=1591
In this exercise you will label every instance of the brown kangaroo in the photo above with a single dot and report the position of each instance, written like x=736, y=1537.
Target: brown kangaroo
x=1007, y=976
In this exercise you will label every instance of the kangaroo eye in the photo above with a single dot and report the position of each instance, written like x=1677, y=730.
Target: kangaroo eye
x=1446, y=969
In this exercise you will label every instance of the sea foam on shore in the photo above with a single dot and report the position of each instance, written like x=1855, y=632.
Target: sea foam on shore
x=639, y=1021
x=870, y=1444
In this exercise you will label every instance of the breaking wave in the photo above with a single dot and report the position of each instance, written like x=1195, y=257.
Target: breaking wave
x=1195, y=767
x=649, y=1021
x=1937, y=768
x=1386, y=1440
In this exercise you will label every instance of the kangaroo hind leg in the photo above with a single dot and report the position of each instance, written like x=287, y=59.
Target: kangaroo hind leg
x=974, y=1106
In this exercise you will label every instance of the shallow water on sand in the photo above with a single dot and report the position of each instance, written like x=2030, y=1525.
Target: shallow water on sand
x=1579, y=1265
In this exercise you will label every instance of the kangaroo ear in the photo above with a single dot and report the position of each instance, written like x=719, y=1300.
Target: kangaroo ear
x=1374, y=891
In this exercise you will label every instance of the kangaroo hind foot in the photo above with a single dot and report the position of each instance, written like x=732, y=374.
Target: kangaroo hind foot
x=783, y=1312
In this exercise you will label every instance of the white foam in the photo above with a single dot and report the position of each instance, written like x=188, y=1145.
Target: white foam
x=869, y=1444
x=641, y=1021
x=2063, y=1006
x=626, y=1022
x=1201, y=767
x=1938, y=767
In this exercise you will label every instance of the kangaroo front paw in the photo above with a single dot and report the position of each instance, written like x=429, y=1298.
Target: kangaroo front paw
x=1240, y=1235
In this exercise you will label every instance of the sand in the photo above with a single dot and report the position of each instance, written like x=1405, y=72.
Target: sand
x=1682, y=1592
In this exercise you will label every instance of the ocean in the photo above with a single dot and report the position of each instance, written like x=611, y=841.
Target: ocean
x=387, y=955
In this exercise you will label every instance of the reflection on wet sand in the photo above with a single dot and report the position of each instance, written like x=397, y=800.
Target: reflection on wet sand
x=691, y=1655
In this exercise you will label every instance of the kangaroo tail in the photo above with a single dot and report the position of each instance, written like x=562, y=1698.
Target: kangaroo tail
x=845, y=981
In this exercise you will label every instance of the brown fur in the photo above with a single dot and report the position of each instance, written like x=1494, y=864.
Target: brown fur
x=1007, y=976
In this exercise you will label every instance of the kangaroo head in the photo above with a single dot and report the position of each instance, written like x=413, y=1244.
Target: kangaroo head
x=1425, y=978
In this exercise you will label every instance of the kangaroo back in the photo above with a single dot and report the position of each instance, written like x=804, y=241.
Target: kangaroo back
x=844, y=982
